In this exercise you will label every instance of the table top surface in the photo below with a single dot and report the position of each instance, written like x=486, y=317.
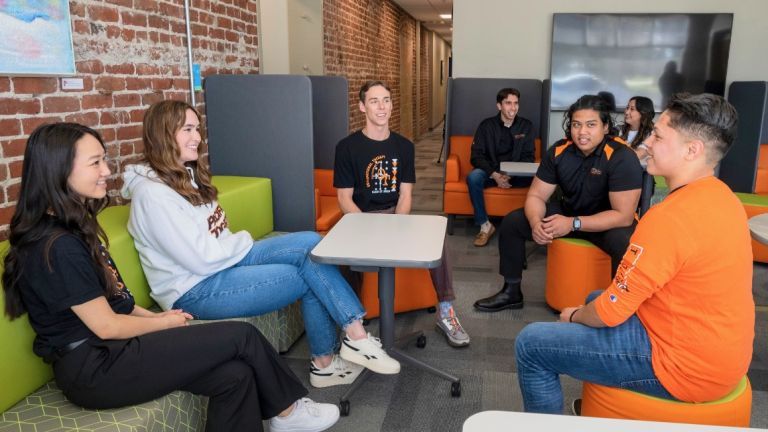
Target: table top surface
x=519, y=168
x=497, y=421
x=758, y=226
x=383, y=240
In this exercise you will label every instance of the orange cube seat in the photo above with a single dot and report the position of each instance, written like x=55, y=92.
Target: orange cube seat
x=575, y=268
x=413, y=290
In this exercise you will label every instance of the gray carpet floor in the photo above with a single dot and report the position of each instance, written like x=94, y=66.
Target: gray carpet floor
x=418, y=401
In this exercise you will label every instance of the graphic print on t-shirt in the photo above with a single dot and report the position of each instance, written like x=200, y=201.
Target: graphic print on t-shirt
x=381, y=175
x=217, y=221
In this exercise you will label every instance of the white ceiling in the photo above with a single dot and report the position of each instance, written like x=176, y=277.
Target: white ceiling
x=428, y=12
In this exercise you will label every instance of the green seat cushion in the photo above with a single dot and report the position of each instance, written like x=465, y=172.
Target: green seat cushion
x=660, y=182
x=753, y=199
x=575, y=241
x=247, y=202
x=21, y=371
x=735, y=393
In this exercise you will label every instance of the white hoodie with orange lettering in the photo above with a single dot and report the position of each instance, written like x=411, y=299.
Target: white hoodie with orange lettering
x=179, y=244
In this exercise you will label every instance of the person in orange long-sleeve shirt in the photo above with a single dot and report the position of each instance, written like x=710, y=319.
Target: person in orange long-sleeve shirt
x=677, y=321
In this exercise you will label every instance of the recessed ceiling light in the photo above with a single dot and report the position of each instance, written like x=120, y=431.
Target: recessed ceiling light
x=445, y=16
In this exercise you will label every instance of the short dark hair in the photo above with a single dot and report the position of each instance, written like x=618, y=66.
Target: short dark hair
x=368, y=85
x=503, y=93
x=591, y=102
x=707, y=117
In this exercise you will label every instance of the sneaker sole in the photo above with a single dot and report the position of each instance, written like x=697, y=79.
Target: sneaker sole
x=509, y=306
x=356, y=358
x=320, y=382
x=450, y=341
x=313, y=428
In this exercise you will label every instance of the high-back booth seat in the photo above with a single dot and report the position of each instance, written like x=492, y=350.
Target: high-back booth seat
x=498, y=201
x=29, y=399
x=327, y=210
x=734, y=409
x=754, y=205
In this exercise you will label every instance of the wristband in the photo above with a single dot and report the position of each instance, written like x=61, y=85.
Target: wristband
x=570, y=318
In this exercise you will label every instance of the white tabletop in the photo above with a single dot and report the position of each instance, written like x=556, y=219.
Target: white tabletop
x=758, y=226
x=498, y=421
x=383, y=240
x=519, y=168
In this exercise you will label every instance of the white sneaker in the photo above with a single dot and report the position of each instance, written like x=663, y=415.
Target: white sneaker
x=307, y=416
x=337, y=373
x=368, y=353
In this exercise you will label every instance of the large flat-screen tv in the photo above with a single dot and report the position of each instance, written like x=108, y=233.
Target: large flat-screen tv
x=653, y=55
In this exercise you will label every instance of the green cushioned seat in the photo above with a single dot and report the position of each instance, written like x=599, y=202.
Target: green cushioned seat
x=753, y=199
x=576, y=241
x=247, y=202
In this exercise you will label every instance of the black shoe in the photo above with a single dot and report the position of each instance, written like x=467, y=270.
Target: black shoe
x=510, y=297
x=576, y=407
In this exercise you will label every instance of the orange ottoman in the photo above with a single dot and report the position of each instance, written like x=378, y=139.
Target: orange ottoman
x=734, y=409
x=413, y=290
x=575, y=268
x=754, y=205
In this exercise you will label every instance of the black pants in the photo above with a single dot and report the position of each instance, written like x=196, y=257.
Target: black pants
x=515, y=230
x=230, y=362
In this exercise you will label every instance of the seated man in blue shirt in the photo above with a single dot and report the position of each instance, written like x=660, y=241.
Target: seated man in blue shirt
x=600, y=179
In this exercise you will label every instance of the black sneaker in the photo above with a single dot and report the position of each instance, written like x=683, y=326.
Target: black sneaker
x=576, y=407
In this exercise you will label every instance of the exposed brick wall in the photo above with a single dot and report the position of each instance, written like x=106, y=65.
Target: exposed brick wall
x=426, y=62
x=130, y=53
x=362, y=43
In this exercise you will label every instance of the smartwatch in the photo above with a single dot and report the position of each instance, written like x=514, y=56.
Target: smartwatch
x=576, y=224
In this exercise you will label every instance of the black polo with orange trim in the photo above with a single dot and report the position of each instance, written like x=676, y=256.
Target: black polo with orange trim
x=586, y=180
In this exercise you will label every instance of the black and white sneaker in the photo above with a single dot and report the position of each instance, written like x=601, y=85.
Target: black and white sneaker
x=337, y=373
x=367, y=352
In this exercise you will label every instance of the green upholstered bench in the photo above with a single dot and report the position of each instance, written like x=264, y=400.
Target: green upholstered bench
x=30, y=401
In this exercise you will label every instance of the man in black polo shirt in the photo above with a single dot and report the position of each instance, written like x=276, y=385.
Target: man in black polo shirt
x=505, y=137
x=600, y=179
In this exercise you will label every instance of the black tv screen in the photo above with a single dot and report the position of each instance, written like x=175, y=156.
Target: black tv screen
x=653, y=55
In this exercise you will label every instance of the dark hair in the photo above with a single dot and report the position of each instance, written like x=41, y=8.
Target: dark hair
x=644, y=106
x=368, y=85
x=45, y=194
x=588, y=102
x=610, y=99
x=707, y=117
x=503, y=93
x=161, y=123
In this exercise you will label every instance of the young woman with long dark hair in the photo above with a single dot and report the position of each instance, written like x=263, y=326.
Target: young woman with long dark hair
x=638, y=124
x=106, y=351
x=194, y=262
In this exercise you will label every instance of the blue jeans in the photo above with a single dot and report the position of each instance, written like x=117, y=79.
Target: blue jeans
x=478, y=181
x=275, y=273
x=611, y=356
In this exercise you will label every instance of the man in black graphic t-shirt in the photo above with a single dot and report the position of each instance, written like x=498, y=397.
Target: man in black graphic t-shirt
x=374, y=172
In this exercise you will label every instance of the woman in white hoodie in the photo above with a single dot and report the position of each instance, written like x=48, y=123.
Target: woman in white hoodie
x=194, y=262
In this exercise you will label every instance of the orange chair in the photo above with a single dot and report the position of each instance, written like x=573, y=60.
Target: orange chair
x=761, y=178
x=575, y=268
x=754, y=205
x=327, y=211
x=498, y=201
x=733, y=409
x=413, y=290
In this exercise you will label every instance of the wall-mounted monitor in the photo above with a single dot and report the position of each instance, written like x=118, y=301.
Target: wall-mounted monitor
x=653, y=55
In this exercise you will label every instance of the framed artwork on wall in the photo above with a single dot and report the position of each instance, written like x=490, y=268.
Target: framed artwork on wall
x=36, y=38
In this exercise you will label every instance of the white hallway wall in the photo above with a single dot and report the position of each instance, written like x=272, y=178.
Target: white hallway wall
x=512, y=38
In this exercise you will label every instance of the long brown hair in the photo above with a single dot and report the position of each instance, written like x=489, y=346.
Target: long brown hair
x=161, y=123
x=644, y=106
x=48, y=208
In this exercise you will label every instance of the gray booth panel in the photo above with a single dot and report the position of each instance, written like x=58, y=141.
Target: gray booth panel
x=261, y=126
x=739, y=167
x=470, y=100
x=330, y=115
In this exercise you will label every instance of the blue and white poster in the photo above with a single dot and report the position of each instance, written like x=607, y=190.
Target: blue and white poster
x=35, y=38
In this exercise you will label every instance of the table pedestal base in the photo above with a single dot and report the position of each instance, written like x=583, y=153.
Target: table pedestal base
x=394, y=349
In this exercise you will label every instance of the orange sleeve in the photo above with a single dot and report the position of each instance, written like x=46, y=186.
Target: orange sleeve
x=656, y=251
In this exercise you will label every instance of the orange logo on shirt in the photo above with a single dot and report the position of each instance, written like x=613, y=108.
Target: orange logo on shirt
x=628, y=263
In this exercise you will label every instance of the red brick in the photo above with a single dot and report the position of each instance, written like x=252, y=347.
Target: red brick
x=35, y=85
x=103, y=13
x=137, y=116
x=127, y=100
x=13, y=106
x=6, y=213
x=10, y=127
x=120, y=69
x=12, y=193
x=147, y=5
x=77, y=9
x=129, y=132
x=15, y=167
x=90, y=119
x=97, y=101
x=3, y=174
x=61, y=104
x=162, y=83
x=31, y=123
x=106, y=84
x=14, y=147
x=113, y=31
x=114, y=117
x=90, y=66
x=126, y=149
x=81, y=27
x=108, y=134
x=146, y=69
x=158, y=22
x=134, y=18
x=5, y=84
x=150, y=98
